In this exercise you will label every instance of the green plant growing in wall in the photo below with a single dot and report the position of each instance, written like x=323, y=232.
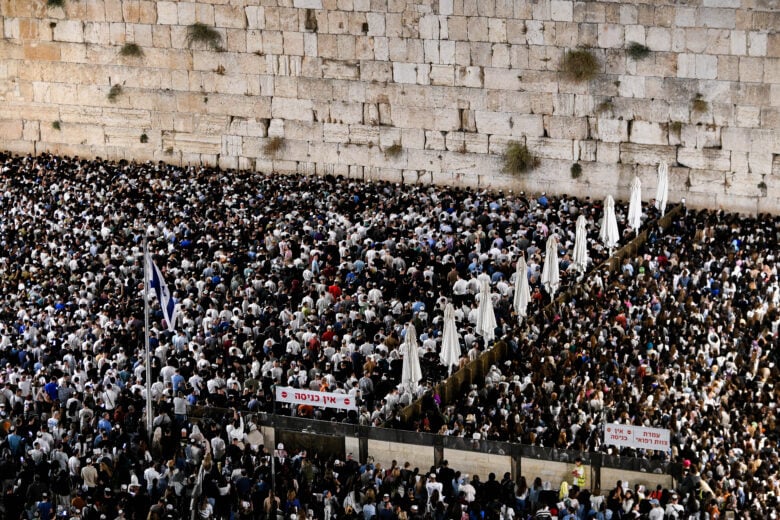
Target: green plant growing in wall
x=131, y=50
x=55, y=3
x=56, y=125
x=203, y=34
x=605, y=106
x=274, y=145
x=580, y=65
x=763, y=187
x=169, y=150
x=699, y=105
x=144, y=138
x=519, y=159
x=576, y=171
x=637, y=51
x=675, y=127
x=114, y=93
x=310, y=24
x=394, y=150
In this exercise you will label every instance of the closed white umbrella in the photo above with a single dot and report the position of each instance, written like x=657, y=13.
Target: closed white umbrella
x=522, y=290
x=609, y=233
x=450, y=343
x=581, y=245
x=411, y=373
x=635, y=205
x=486, y=318
x=662, y=193
x=551, y=278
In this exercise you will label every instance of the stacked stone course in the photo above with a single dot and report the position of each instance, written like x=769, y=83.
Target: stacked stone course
x=450, y=81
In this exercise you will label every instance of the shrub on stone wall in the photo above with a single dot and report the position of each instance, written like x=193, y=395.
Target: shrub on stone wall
x=201, y=33
x=394, y=150
x=637, y=51
x=519, y=159
x=274, y=145
x=132, y=50
x=580, y=65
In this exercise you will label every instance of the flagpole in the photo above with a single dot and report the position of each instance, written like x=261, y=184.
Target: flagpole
x=149, y=417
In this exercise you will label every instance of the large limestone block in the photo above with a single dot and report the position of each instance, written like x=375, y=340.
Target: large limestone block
x=736, y=139
x=632, y=153
x=611, y=130
x=531, y=125
x=255, y=16
x=551, y=148
x=644, y=132
x=706, y=159
x=760, y=162
x=405, y=72
x=611, y=36
x=442, y=75
x=717, y=18
x=339, y=69
x=347, y=113
x=435, y=140
x=493, y=122
x=11, y=129
x=563, y=127
x=291, y=108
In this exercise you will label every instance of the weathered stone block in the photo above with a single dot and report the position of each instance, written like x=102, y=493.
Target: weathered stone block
x=551, y=148
x=493, y=122
x=705, y=159
x=631, y=153
x=435, y=141
x=562, y=10
x=559, y=127
x=611, y=35
x=643, y=132
x=477, y=28
x=289, y=108
x=611, y=130
x=405, y=72
x=760, y=163
x=718, y=18
x=442, y=75
x=757, y=43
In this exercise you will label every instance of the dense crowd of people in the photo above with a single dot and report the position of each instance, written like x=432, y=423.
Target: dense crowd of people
x=308, y=282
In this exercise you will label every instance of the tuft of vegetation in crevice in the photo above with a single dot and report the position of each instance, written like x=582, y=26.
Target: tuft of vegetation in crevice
x=699, y=105
x=675, y=127
x=394, y=150
x=274, y=145
x=637, y=51
x=519, y=159
x=576, y=171
x=144, y=138
x=763, y=187
x=55, y=3
x=310, y=24
x=220, y=70
x=56, y=125
x=132, y=50
x=203, y=34
x=580, y=65
x=605, y=106
x=114, y=93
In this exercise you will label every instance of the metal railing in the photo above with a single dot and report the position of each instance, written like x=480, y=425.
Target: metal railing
x=406, y=437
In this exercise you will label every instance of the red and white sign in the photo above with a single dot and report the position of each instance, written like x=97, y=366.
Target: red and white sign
x=288, y=394
x=637, y=437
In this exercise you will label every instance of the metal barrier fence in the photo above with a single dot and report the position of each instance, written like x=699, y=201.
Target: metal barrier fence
x=284, y=423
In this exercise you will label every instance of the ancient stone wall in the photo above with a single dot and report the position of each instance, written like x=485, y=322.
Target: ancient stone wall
x=408, y=90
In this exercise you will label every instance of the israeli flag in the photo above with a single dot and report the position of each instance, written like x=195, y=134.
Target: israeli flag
x=164, y=295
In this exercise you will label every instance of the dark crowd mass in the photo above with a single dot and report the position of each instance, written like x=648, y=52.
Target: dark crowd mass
x=310, y=282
